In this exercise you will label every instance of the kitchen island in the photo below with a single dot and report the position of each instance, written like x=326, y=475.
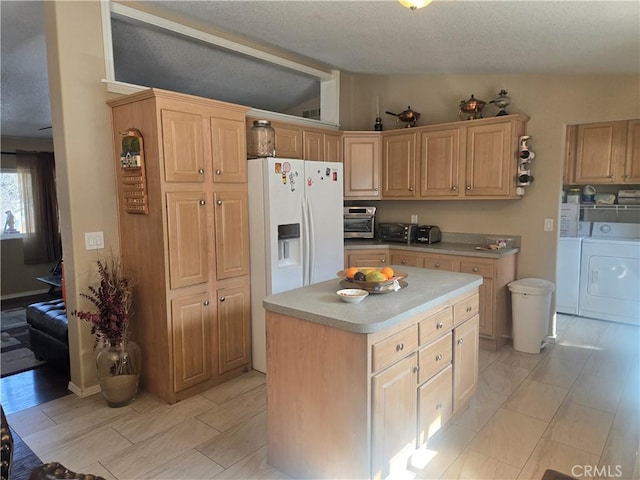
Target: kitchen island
x=354, y=389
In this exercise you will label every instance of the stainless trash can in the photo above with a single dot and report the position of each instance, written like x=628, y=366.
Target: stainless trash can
x=531, y=307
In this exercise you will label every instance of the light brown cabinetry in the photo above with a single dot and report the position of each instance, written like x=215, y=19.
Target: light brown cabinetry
x=321, y=146
x=193, y=243
x=603, y=153
x=455, y=161
x=388, y=393
x=377, y=257
x=494, y=322
x=399, y=166
x=361, y=165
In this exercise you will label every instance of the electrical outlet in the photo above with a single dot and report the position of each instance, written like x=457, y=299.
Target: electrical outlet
x=414, y=218
x=93, y=240
x=548, y=224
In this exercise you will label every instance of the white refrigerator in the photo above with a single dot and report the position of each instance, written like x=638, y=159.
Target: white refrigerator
x=296, y=232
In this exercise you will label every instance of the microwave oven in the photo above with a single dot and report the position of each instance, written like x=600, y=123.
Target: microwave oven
x=359, y=222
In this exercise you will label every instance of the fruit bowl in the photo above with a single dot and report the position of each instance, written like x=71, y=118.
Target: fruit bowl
x=370, y=286
x=352, y=295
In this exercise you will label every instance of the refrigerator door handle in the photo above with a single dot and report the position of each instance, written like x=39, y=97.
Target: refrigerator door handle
x=305, y=243
x=311, y=243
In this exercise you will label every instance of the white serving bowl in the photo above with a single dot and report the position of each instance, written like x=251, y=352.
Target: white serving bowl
x=352, y=295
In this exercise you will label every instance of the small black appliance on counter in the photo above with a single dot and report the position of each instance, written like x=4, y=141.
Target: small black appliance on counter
x=428, y=234
x=397, y=232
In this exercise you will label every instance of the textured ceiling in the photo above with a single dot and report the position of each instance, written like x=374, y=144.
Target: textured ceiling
x=369, y=37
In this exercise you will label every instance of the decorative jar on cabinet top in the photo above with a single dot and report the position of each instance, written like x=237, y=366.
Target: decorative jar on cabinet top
x=262, y=139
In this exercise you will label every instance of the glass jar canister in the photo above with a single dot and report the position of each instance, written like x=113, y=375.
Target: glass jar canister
x=262, y=139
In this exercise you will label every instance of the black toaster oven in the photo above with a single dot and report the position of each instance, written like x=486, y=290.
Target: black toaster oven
x=397, y=232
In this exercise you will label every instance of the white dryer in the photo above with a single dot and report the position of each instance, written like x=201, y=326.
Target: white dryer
x=610, y=273
x=568, y=270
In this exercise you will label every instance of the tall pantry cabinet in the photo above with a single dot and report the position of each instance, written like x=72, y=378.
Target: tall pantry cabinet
x=189, y=254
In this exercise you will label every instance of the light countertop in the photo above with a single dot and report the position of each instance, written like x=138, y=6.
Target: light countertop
x=446, y=248
x=319, y=303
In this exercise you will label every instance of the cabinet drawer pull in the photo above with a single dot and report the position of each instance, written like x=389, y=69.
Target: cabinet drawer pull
x=439, y=325
x=383, y=260
x=206, y=303
x=222, y=299
x=404, y=262
x=201, y=171
x=438, y=357
x=437, y=265
x=219, y=202
x=475, y=269
x=202, y=202
x=399, y=347
x=460, y=341
x=218, y=172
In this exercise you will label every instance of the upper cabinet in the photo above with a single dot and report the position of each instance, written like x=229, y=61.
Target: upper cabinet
x=361, y=165
x=295, y=141
x=228, y=150
x=399, y=165
x=456, y=161
x=603, y=153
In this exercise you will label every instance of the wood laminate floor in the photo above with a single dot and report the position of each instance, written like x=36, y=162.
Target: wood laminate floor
x=574, y=408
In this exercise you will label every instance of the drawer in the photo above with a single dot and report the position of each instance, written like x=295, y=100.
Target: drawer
x=406, y=260
x=434, y=357
x=477, y=268
x=393, y=348
x=447, y=264
x=435, y=404
x=436, y=325
x=466, y=308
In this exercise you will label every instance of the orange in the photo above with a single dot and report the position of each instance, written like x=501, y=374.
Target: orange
x=351, y=271
x=388, y=271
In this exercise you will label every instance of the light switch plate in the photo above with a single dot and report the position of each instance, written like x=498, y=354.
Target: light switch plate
x=414, y=218
x=93, y=240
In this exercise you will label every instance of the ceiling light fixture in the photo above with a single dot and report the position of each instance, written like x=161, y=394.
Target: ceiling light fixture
x=414, y=4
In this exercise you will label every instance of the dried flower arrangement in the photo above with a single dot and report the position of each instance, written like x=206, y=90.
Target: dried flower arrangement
x=113, y=298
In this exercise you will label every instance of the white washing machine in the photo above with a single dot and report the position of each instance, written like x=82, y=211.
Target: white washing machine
x=610, y=273
x=568, y=270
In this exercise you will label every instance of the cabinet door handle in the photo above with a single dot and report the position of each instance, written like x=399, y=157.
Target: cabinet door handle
x=438, y=405
x=202, y=202
x=437, y=265
x=383, y=260
x=219, y=202
x=201, y=171
x=439, y=325
x=206, y=303
x=416, y=369
x=222, y=299
x=375, y=189
x=475, y=269
x=468, y=187
x=411, y=189
x=399, y=347
x=454, y=188
x=438, y=357
x=469, y=309
x=218, y=172
x=460, y=341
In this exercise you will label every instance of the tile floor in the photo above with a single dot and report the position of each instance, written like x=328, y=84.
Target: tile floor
x=574, y=408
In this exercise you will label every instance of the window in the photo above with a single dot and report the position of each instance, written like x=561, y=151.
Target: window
x=15, y=203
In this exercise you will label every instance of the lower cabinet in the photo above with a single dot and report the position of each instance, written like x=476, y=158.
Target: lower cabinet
x=394, y=414
x=375, y=257
x=369, y=400
x=234, y=323
x=191, y=338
